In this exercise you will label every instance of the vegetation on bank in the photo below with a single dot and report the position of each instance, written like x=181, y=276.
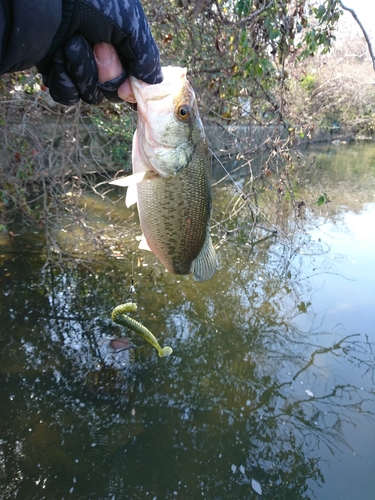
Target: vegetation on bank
x=252, y=62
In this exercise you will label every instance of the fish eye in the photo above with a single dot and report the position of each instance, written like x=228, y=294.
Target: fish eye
x=183, y=112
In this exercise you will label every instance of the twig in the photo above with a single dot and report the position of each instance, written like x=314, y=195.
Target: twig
x=229, y=232
x=254, y=14
x=353, y=13
x=269, y=229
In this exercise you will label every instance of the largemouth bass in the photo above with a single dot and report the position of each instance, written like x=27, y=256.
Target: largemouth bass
x=170, y=181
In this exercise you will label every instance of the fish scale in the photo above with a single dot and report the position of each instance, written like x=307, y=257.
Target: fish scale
x=176, y=231
x=170, y=181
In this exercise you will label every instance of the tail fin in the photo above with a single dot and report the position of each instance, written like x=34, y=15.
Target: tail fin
x=204, y=266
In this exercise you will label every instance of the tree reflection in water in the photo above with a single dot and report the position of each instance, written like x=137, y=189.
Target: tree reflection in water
x=246, y=395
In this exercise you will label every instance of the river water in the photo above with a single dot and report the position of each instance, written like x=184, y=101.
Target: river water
x=269, y=392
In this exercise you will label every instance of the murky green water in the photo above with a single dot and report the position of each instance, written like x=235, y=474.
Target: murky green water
x=270, y=390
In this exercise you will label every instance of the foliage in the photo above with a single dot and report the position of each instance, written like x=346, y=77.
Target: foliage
x=335, y=90
x=241, y=48
x=323, y=198
x=308, y=83
x=50, y=155
x=117, y=127
x=259, y=92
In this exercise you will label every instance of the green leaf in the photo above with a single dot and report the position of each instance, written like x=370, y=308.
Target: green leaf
x=321, y=11
x=323, y=198
x=302, y=307
x=274, y=33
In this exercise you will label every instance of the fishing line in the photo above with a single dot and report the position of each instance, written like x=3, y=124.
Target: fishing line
x=244, y=195
x=227, y=173
x=297, y=247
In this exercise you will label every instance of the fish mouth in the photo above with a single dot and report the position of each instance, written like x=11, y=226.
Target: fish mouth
x=171, y=74
x=145, y=92
x=160, y=144
x=173, y=78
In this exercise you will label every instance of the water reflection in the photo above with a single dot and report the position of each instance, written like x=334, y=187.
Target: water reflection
x=247, y=395
x=271, y=379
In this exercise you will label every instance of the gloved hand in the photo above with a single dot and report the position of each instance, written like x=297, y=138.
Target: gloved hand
x=70, y=70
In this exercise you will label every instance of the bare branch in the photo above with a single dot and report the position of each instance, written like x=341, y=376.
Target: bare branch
x=254, y=14
x=353, y=13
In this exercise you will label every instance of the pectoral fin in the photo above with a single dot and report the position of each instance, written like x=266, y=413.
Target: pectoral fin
x=130, y=181
x=131, y=196
x=143, y=245
x=204, y=266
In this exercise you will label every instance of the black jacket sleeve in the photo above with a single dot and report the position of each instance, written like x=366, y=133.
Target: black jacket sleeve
x=57, y=36
x=27, y=29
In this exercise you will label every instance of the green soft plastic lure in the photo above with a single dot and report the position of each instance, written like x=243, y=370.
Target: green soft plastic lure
x=120, y=317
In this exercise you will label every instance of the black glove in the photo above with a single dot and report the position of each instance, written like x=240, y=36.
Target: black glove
x=70, y=71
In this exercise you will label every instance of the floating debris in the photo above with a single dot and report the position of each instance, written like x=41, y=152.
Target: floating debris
x=256, y=486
